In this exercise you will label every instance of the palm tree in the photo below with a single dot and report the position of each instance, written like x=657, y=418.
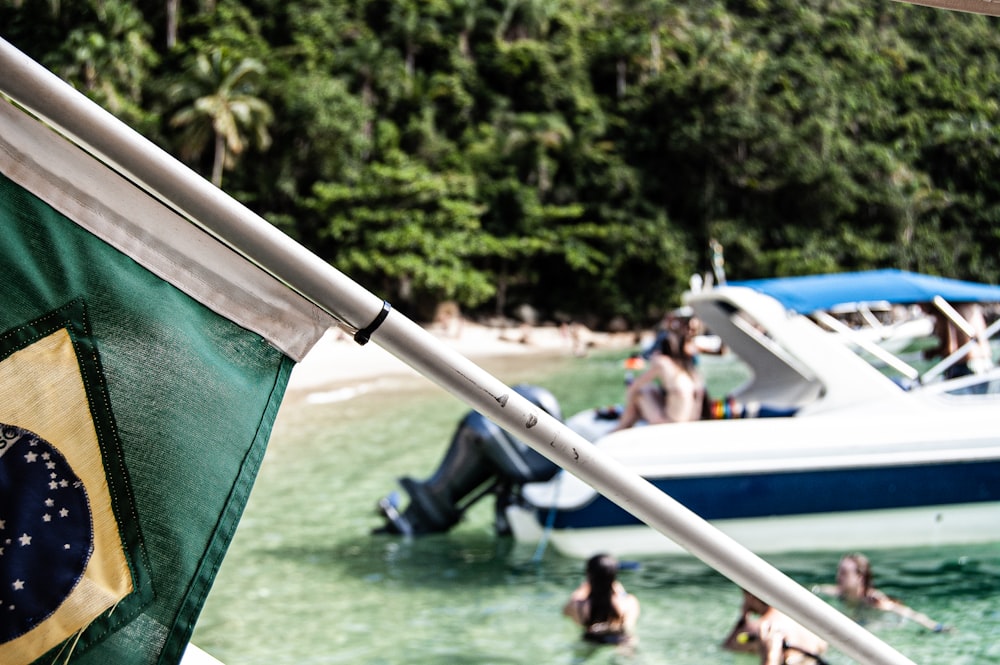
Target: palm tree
x=222, y=107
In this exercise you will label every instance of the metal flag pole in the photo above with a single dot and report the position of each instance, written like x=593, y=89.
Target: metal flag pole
x=48, y=97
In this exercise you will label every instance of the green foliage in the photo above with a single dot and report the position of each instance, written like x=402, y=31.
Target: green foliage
x=575, y=155
x=406, y=231
x=101, y=47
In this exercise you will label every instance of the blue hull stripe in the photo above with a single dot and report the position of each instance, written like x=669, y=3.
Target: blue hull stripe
x=807, y=492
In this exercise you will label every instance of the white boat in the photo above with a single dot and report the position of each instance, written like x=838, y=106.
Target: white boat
x=862, y=456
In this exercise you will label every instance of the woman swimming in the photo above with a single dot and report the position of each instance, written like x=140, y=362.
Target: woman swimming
x=601, y=605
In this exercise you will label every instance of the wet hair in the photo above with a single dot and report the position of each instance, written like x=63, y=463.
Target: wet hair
x=602, y=571
x=863, y=565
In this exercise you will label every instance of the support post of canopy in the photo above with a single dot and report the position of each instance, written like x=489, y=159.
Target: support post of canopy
x=44, y=94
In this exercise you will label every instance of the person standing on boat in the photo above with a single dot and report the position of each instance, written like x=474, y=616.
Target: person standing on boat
x=854, y=587
x=777, y=638
x=601, y=605
x=669, y=391
x=951, y=337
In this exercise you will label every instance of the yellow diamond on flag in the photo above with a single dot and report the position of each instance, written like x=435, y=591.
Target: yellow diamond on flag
x=61, y=559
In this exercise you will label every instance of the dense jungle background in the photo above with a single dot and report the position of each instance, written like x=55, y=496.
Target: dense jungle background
x=578, y=156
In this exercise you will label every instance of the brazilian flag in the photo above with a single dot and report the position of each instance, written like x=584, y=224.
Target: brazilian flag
x=139, y=383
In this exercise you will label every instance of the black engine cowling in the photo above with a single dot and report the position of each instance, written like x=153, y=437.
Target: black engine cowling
x=482, y=459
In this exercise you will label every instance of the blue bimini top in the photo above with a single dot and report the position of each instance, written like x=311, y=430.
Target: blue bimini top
x=822, y=292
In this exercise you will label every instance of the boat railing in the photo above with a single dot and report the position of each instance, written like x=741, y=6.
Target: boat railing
x=987, y=384
x=871, y=347
x=912, y=376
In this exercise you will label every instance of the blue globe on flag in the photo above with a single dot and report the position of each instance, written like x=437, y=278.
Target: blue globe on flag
x=46, y=533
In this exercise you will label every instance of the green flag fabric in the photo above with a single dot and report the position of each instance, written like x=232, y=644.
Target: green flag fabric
x=138, y=386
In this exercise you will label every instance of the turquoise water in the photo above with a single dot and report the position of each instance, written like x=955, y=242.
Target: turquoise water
x=306, y=582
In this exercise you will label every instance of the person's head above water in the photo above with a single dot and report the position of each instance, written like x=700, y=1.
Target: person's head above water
x=854, y=576
x=602, y=570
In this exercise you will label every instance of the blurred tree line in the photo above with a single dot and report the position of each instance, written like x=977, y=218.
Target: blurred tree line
x=579, y=156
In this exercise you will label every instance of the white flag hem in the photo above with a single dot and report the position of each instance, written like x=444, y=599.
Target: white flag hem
x=168, y=245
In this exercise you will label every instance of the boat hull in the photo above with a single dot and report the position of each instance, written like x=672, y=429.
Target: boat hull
x=791, y=484
x=922, y=526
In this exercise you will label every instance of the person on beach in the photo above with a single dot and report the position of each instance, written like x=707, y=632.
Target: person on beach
x=601, y=605
x=669, y=391
x=778, y=639
x=854, y=587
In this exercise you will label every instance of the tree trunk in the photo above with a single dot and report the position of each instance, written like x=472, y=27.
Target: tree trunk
x=219, y=160
x=173, y=6
x=655, y=50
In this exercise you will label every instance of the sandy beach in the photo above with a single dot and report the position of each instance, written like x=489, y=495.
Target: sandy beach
x=337, y=360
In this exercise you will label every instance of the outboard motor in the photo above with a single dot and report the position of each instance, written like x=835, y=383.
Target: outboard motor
x=482, y=459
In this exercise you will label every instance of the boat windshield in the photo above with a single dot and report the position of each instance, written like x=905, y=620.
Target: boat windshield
x=832, y=357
